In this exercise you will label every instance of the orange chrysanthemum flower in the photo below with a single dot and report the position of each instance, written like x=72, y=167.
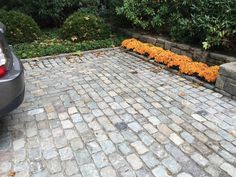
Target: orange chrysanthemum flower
x=184, y=63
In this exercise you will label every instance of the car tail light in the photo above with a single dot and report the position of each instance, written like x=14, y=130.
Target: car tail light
x=3, y=62
x=3, y=71
x=6, y=61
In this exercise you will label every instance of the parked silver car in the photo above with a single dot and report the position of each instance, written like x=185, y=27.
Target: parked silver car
x=12, y=86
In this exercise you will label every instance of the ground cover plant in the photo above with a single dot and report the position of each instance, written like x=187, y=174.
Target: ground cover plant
x=50, y=43
x=57, y=46
x=185, y=64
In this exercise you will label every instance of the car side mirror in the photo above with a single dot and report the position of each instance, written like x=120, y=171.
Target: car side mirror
x=2, y=27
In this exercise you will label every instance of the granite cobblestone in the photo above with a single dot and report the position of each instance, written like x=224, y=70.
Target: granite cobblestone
x=110, y=114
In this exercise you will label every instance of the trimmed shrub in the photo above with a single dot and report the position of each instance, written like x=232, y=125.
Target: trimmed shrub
x=19, y=27
x=49, y=13
x=82, y=26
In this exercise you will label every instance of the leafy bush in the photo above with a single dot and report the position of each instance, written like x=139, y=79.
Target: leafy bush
x=82, y=26
x=108, y=11
x=19, y=27
x=184, y=30
x=54, y=46
x=216, y=20
x=2, y=13
x=208, y=22
x=49, y=13
x=140, y=12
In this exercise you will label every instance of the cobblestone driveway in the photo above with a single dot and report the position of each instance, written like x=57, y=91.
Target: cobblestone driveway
x=110, y=114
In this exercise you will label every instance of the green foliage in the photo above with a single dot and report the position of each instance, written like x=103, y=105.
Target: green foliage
x=82, y=26
x=184, y=30
x=54, y=47
x=208, y=22
x=19, y=27
x=140, y=12
x=49, y=13
x=108, y=11
x=216, y=19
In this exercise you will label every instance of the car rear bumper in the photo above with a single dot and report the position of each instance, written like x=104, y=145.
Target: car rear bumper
x=13, y=105
x=12, y=87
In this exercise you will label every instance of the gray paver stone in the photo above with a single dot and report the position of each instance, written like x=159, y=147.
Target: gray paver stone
x=107, y=113
x=71, y=167
x=150, y=159
x=82, y=156
x=66, y=153
x=89, y=170
x=54, y=166
x=161, y=171
x=134, y=161
x=100, y=160
x=172, y=165
x=108, y=172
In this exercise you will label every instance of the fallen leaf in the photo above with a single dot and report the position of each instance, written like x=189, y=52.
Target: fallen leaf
x=169, y=173
x=233, y=132
x=157, y=69
x=35, y=60
x=124, y=49
x=11, y=173
x=71, y=59
x=134, y=72
x=78, y=53
x=181, y=94
x=86, y=18
x=74, y=38
x=98, y=54
x=195, y=85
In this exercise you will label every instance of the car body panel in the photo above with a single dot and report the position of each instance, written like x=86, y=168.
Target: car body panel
x=12, y=85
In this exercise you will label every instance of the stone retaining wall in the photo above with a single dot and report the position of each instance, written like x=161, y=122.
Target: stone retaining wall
x=197, y=54
x=226, y=81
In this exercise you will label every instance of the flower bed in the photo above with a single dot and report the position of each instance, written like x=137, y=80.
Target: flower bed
x=185, y=64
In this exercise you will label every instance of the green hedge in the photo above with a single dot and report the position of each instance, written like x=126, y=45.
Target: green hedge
x=208, y=22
